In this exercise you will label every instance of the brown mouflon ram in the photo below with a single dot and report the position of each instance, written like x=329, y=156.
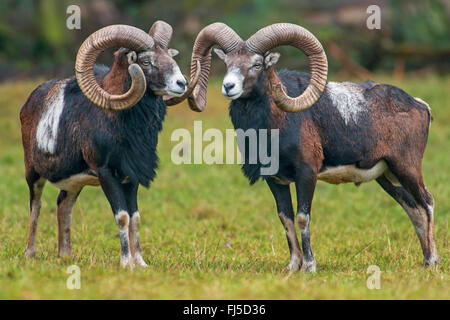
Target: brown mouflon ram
x=85, y=131
x=338, y=132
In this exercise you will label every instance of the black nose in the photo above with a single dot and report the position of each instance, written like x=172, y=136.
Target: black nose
x=228, y=86
x=181, y=84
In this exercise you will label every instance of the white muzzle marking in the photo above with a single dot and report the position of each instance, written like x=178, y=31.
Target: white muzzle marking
x=172, y=87
x=235, y=78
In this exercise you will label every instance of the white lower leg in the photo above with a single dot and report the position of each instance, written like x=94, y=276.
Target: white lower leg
x=309, y=262
x=434, y=257
x=123, y=222
x=134, y=240
x=296, y=254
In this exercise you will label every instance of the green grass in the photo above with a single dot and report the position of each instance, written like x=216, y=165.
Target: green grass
x=207, y=235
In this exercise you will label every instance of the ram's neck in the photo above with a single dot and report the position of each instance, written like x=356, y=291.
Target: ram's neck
x=139, y=128
x=117, y=81
x=258, y=111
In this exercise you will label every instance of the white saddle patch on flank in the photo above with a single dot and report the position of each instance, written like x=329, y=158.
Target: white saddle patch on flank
x=347, y=98
x=47, y=130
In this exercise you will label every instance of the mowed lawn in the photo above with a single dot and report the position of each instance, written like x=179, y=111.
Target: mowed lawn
x=206, y=234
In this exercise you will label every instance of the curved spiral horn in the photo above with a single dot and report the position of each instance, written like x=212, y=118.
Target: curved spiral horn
x=290, y=34
x=216, y=33
x=161, y=32
x=112, y=36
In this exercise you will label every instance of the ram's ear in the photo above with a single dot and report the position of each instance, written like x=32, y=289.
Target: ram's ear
x=220, y=53
x=173, y=52
x=121, y=56
x=131, y=57
x=271, y=59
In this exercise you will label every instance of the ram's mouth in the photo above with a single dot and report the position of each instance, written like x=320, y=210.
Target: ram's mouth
x=174, y=93
x=233, y=96
x=169, y=93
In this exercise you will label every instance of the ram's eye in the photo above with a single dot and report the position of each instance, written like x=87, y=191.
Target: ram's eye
x=146, y=62
x=257, y=66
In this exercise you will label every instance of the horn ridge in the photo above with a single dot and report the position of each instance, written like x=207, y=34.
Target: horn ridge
x=280, y=34
x=107, y=37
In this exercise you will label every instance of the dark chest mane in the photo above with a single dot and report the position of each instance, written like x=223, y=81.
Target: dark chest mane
x=258, y=112
x=251, y=113
x=125, y=140
x=139, y=128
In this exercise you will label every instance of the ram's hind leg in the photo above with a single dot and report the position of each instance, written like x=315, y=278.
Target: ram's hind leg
x=418, y=204
x=283, y=201
x=36, y=186
x=65, y=202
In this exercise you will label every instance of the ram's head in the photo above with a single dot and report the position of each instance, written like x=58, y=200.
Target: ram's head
x=247, y=60
x=147, y=58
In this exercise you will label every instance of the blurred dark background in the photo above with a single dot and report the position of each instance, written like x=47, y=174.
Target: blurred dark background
x=414, y=35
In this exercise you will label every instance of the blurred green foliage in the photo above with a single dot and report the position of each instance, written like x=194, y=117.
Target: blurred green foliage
x=34, y=39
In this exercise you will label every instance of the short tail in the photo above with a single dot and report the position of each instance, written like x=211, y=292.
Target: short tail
x=428, y=107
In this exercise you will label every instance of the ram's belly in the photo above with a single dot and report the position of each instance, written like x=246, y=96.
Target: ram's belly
x=350, y=173
x=76, y=182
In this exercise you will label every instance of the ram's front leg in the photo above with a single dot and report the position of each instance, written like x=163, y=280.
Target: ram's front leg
x=114, y=192
x=305, y=184
x=283, y=200
x=135, y=220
